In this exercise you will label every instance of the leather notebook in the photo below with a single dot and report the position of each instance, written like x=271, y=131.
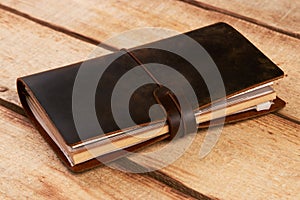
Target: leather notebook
x=107, y=99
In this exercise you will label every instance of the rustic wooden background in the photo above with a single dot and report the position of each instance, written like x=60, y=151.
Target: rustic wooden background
x=254, y=159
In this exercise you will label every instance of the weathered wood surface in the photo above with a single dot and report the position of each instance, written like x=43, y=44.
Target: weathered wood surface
x=255, y=159
x=265, y=151
x=27, y=48
x=30, y=170
x=101, y=21
x=283, y=15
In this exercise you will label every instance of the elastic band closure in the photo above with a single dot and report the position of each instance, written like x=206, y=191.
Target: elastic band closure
x=164, y=97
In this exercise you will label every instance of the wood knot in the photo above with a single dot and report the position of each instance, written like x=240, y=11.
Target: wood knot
x=3, y=89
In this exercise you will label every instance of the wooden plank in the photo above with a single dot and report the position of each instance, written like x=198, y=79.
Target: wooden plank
x=30, y=170
x=283, y=16
x=126, y=15
x=27, y=48
x=282, y=53
x=255, y=159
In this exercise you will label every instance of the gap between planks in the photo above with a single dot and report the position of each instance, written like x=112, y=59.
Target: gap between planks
x=125, y=163
x=241, y=17
x=59, y=28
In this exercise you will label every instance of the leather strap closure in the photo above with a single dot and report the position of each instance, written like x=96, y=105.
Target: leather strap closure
x=166, y=98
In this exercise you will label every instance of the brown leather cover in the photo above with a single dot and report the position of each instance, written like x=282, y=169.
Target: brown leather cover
x=241, y=65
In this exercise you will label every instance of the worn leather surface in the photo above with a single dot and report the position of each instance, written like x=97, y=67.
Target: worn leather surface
x=241, y=65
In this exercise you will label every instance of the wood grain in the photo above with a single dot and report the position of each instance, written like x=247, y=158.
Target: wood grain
x=29, y=169
x=101, y=20
x=255, y=159
x=28, y=48
x=283, y=16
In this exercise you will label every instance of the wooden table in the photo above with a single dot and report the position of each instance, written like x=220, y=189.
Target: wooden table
x=254, y=159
